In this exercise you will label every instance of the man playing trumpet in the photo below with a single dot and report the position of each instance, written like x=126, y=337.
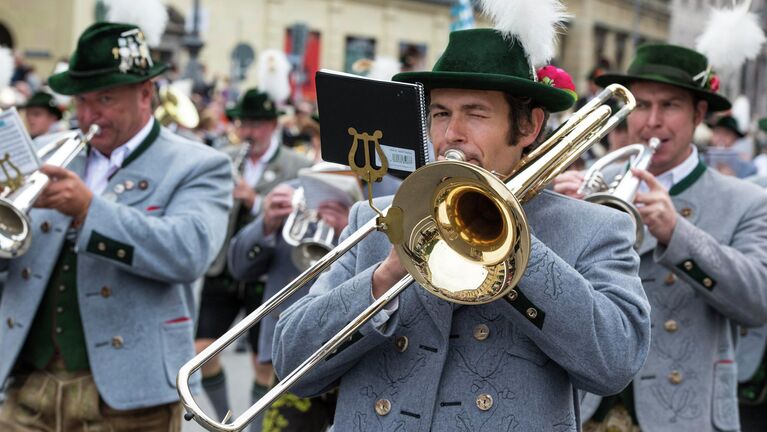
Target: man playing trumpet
x=703, y=260
x=98, y=314
x=263, y=163
x=577, y=319
x=266, y=248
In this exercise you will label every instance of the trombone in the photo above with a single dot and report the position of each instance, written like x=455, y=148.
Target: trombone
x=431, y=237
x=620, y=194
x=15, y=202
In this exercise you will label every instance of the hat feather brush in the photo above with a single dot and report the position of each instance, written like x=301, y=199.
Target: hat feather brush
x=150, y=16
x=731, y=37
x=533, y=23
x=6, y=66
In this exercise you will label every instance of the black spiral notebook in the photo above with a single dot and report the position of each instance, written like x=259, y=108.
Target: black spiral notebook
x=355, y=109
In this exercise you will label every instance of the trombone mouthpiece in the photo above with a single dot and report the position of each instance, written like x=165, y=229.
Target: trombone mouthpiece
x=454, y=154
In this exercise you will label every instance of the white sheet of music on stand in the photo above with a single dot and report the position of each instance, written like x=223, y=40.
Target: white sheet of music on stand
x=319, y=187
x=15, y=142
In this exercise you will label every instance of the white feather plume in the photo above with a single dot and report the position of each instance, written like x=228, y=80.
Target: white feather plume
x=534, y=23
x=150, y=16
x=731, y=36
x=384, y=68
x=6, y=66
x=272, y=71
x=741, y=112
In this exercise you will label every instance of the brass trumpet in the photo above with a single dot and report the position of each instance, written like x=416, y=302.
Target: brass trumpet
x=310, y=236
x=176, y=108
x=620, y=193
x=15, y=233
x=432, y=237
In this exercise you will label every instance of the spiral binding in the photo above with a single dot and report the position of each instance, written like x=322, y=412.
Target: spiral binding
x=424, y=131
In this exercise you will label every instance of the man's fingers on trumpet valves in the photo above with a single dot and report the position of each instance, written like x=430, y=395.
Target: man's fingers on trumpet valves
x=655, y=207
x=66, y=193
x=334, y=214
x=568, y=183
x=278, y=205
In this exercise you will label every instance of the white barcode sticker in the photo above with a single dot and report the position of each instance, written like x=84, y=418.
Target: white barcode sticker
x=399, y=159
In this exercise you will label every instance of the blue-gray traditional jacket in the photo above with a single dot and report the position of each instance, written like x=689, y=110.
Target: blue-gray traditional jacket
x=145, y=240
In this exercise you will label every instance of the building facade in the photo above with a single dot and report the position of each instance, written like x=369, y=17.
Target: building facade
x=687, y=23
x=336, y=32
x=608, y=31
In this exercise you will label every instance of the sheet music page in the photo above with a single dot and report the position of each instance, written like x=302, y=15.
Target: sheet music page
x=319, y=187
x=16, y=143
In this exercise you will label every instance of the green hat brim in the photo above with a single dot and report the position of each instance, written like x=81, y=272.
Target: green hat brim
x=553, y=99
x=54, y=110
x=67, y=84
x=715, y=101
x=237, y=113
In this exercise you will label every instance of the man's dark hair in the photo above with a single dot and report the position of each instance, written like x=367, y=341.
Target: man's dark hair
x=521, y=119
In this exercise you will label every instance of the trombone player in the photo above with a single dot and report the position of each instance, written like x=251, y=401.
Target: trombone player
x=98, y=314
x=578, y=319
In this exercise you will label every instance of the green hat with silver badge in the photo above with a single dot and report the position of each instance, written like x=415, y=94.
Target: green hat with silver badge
x=107, y=55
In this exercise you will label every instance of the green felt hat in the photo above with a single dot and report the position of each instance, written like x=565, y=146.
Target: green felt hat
x=763, y=124
x=254, y=105
x=729, y=122
x=673, y=65
x=107, y=55
x=481, y=59
x=45, y=100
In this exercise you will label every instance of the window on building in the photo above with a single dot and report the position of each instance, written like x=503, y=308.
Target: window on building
x=358, y=48
x=620, y=49
x=306, y=63
x=412, y=56
x=6, y=39
x=600, y=36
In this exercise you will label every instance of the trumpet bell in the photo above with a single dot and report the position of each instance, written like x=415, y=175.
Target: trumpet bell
x=15, y=235
x=453, y=251
x=610, y=200
x=308, y=253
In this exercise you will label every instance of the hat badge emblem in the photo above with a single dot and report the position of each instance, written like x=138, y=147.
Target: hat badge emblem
x=132, y=51
x=267, y=105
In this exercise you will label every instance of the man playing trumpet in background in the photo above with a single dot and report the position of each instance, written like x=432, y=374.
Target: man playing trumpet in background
x=266, y=248
x=703, y=260
x=262, y=165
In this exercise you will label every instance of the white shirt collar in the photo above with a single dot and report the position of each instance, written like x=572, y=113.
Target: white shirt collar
x=254, y=170
x=274, y=144
x=673, y=176
x=121, y=153
x=100, y=168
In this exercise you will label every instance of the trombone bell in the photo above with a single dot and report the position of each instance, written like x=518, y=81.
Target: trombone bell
x=452, y=255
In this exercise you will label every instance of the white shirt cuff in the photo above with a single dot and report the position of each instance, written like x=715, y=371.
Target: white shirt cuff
x=382, y=317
